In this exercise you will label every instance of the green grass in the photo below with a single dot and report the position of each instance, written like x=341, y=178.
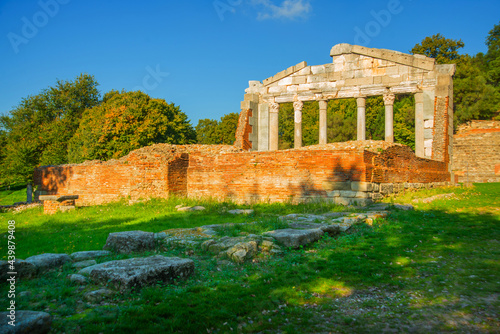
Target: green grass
x=435, y=269
x=12, y=194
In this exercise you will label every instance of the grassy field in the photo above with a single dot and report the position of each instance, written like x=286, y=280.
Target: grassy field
x=13, y=194
x=435, y=269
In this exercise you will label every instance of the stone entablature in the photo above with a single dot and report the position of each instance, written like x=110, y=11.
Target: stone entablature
x=358, y=72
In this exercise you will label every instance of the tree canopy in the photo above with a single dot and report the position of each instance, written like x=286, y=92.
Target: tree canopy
x=476, y=90
x=127, y=121
x=213, y=132
x=38, y=130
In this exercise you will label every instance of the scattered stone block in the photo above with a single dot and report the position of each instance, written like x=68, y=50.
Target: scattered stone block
x=160, y=236
x=130, y=242
x=84, y=264
x=24, y=294
x=139, y=272
x=26, y=322
x=98, y=295
x=78, y=279
x=433, y=198
x=48, y=261
x=241, y=212
x=296, y=238
x=190, y=208
x=404, y=207
x=89, y=255
x=243, y=251
x=24, y=270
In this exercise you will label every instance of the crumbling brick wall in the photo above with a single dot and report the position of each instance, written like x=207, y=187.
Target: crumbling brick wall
x=225, y=172
x=154, y=171
x=476, y=152
x=309, y=172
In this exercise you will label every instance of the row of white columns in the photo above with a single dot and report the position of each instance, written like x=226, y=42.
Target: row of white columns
x=323, y=105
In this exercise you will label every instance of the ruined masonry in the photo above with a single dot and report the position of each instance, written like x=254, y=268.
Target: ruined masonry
x=476, y=154
x=253, y=170
x=356, y=72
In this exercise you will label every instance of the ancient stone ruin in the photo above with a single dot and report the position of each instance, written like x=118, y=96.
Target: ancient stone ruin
x=253, y=169
x=356, y=72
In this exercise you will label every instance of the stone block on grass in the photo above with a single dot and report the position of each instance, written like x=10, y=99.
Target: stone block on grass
x=296, y=238
x=139, y=272
x=48, y=261
x=130, y=242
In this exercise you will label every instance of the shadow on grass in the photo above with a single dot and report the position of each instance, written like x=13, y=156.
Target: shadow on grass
x=420, y=271
x=423, y=270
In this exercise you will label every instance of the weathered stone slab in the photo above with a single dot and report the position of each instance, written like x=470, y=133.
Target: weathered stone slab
x=296, y=238
x=404, y=207
x=78, y=279
x=25, y=322
x=130, y=242
x=89, y=255
x=139, y=272
x=45, y=262
x=98, y=295
x=243, y=251
x=241, y=212
x=191, y=208
x=84, y=264
x=24, y=270
x=433, y=198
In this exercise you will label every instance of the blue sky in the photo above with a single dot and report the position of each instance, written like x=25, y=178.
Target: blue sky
x=200, y=55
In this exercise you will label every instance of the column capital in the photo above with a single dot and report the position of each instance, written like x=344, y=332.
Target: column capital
x=298, y=105
x=389, y=99
x=323, y=104
x=274, y=107
x=361, y=101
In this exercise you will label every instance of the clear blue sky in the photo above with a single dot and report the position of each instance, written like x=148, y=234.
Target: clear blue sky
x=203, y=53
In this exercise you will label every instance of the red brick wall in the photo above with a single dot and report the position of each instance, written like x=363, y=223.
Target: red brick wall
x=244, y=130
x=224, y=172
x=154, y=171
x=300, y=174
x=476, y=152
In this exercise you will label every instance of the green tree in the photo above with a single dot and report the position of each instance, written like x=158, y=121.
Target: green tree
x=206, y=131
x=475, y=96
x=226, y=129
x=444, y=50
x=212, y=132
x=39, y=128
x=341, y=120
x=127, y=121
x=404, y=120
x=375, y=118
x=492, y=58
x=286, y=126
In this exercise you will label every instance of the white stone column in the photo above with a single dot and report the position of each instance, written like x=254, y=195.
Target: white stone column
x=323, y=105
x=361, y=129
x=419, y=125
x=274, y=109
x=389, y=117
x=297, y=107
